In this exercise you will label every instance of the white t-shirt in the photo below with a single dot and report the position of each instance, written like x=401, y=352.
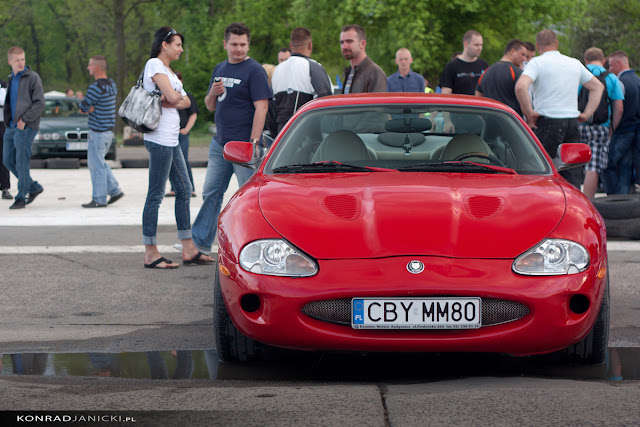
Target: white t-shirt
x=556, y=79
x=3, y=95
x=169, y=128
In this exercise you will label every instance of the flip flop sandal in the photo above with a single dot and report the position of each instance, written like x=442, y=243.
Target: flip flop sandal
x=155, y=263
x=197, y=261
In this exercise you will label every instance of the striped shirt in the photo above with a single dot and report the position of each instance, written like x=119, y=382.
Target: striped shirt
x=102, y=95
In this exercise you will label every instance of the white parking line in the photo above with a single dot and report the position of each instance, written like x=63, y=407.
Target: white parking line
x=31, y=250
x=619, y=245
x=67, y=189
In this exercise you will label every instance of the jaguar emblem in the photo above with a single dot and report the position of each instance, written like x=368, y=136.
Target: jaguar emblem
x=415, y=267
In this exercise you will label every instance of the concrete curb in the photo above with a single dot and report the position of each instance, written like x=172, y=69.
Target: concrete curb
x=127, y=157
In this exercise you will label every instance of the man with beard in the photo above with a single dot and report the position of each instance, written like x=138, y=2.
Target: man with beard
x=363, y=75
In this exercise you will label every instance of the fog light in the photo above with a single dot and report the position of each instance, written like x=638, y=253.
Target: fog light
x=250, y=303
x=579, y=304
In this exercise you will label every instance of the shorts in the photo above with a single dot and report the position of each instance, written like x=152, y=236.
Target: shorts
x=597, y=137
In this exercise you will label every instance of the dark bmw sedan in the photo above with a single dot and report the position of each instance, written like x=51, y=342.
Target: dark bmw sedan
x=64, y=131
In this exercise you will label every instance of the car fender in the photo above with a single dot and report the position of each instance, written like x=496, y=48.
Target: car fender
x=242, y=221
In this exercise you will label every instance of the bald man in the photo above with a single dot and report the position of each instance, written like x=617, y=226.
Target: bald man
x=555, y=79
x=405, y=80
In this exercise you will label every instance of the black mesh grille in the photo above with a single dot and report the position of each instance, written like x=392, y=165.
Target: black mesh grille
x=494, y=311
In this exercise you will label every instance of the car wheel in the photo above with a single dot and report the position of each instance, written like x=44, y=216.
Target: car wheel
x=231, y=344
x=618, y=206
x=593, y=348
x=628, y=228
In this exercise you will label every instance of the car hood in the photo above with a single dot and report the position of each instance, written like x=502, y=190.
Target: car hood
x=380, y=214
x=50, y=124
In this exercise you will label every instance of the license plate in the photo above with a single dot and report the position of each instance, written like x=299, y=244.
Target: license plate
x=77, y=146
x=416, y=313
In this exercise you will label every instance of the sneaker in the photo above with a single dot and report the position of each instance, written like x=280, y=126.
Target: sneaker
x=32, y=196
x=94, y=204
x=18, y=204
x=115, y=198
x=6, y=195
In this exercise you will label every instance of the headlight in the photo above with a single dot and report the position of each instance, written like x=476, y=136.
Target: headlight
x=46, y=136
x=276, y=258
x=553, y=257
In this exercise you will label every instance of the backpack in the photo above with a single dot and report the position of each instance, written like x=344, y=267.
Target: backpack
x=601, y=114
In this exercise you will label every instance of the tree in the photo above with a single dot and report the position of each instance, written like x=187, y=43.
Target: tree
x=610, y=26
x=61, y=35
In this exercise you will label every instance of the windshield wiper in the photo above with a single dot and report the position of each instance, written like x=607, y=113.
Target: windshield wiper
x=457, y=166
x=329, y=166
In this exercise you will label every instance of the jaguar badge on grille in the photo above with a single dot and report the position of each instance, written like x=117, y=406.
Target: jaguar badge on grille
x=415, y=267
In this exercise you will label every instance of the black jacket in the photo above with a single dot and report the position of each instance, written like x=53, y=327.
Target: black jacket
x=30, y=103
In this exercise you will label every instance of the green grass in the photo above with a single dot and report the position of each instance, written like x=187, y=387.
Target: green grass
x=200, y=137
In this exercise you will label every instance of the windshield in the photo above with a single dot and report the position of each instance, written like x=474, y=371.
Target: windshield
x=407, y=137
x=61, y=107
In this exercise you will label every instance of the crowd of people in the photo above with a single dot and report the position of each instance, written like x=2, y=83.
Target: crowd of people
x=561, y=99
x=543, y=89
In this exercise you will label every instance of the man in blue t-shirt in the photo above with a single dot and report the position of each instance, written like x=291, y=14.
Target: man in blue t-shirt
x=239, y=93
x=100, y=103
x=405, y=80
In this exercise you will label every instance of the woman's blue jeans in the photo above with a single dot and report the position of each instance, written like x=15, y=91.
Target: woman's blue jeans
x=166, y=163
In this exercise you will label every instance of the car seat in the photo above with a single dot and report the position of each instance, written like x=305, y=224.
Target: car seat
x=342, y=145
x=466, y=143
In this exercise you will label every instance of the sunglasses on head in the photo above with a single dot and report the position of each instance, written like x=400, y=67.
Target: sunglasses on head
x=171, y=32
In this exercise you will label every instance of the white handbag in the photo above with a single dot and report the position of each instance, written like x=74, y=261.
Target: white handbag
x=141, y=109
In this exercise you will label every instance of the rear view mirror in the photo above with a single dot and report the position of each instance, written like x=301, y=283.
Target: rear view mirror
x=408, y=125
x=243, y=153
x=571, y=155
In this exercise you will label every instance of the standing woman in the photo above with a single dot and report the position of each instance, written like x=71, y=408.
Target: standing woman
x=165, y=156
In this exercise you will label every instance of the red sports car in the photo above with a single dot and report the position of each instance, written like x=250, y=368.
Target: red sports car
x=410, y=223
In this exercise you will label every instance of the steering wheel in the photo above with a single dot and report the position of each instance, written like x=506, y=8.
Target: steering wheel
x=492, y=159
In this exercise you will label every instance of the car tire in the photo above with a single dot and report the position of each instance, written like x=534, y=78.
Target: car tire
x=231, y=344
x=592, y=349
x=618, y=206
x=628, y=228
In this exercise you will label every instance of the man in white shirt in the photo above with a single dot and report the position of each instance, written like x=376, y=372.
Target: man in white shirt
x=555, y=79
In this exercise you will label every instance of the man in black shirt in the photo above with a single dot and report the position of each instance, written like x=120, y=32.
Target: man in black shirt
x=462, y=73
x=499, y=81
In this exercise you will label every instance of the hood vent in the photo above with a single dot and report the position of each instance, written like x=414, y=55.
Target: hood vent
x=344, y=206
x=481, y=207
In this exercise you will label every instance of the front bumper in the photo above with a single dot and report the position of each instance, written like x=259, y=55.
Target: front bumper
x=549, y=325
x=52, y=149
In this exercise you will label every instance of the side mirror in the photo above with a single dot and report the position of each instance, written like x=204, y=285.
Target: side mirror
x=243, y=153
x=571, y=155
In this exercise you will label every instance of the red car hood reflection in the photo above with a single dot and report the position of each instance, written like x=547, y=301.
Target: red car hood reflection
x=381, y=214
